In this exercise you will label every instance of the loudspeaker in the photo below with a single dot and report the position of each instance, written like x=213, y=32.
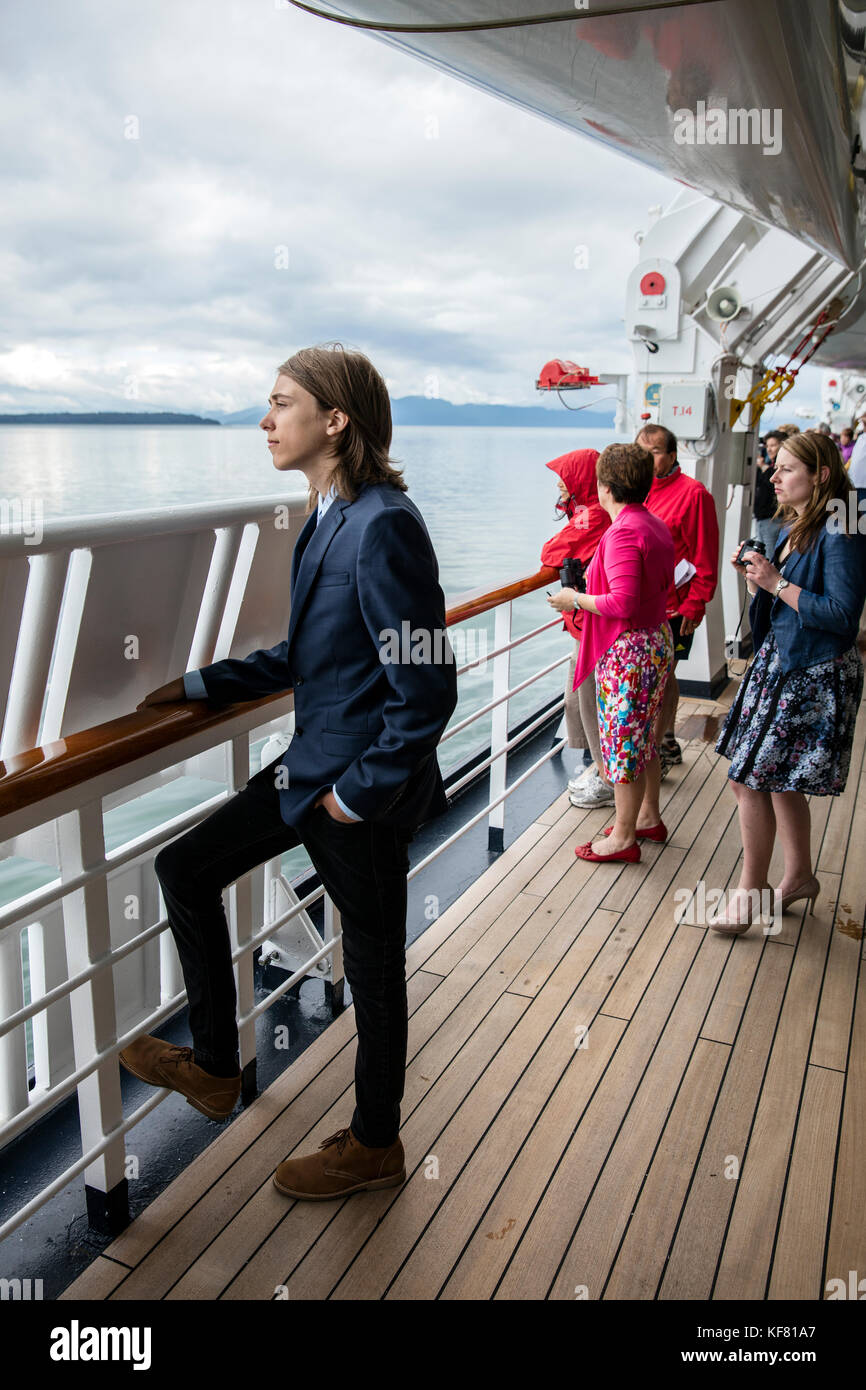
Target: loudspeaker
x=723, y=304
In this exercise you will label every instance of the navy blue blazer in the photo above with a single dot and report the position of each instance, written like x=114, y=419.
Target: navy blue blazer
x=364, y=588
x=832, y=576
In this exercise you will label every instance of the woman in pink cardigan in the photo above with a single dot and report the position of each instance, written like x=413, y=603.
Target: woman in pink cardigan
x=628, y=640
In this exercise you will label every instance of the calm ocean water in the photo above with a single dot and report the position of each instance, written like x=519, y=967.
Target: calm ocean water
x=486, y=495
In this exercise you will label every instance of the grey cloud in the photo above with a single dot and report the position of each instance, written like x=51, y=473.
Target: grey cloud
x=153, y=260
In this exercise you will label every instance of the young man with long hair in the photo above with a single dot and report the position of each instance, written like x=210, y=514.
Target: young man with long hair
x=359, y=777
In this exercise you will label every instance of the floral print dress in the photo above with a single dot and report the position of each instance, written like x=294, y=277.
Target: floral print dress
x=630, y=681
x=793, y=732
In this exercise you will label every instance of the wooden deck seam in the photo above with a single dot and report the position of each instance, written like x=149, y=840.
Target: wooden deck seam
x=409, y=1172
x=792, y=1146
x=808, y=1064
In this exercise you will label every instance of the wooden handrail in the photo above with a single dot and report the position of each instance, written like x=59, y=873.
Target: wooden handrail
x=482, y=600
x=31, y=776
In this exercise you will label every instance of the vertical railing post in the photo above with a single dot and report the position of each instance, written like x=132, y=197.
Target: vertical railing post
x=13, y=1045
x=37, y=635
x=53, y=1044
x=241, y=919
x=171, y=981
x=81, y=846
x=333, y=927
x=499, y=727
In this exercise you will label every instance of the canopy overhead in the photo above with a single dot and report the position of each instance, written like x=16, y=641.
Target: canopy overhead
x=630, y=80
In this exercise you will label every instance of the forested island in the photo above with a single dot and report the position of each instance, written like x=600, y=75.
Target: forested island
x=106, y=417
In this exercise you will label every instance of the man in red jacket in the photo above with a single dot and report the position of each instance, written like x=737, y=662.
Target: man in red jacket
x=689, y=512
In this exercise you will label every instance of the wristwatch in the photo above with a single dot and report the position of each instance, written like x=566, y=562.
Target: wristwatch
x=782, y=584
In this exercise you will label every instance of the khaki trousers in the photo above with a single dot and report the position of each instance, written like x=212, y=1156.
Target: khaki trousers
x=581, y=712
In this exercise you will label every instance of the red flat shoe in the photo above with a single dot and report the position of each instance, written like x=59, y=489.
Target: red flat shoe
x=652, y=832
x=629, y=856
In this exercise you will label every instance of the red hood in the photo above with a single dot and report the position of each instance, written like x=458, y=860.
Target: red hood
x=577, y=471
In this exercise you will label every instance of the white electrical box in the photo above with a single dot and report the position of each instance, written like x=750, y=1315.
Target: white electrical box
x=684, y=408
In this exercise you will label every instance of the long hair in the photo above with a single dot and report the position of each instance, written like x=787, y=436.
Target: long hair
x=815, y=451
x=342, y=379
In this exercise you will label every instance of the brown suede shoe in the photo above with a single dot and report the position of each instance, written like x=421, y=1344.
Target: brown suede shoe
x=342, y=1165
x=162, y=1064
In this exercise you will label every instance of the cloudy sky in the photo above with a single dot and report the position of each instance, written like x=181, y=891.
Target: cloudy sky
x=190, y=192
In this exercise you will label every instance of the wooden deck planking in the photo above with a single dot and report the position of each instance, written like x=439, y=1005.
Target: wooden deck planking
x=476, y=1260
x=303, y=1231
x=700, y=1233
x=603, y=1221
x=430, y=1114
x=102, y=1276
x=470, y=982
x=843, y=808
x=846, y=1249
x=745, y=1264
x=640, y=1260
x=490, y=1126
x=543, y=1244
x=798, y=1259
x=539, y=1169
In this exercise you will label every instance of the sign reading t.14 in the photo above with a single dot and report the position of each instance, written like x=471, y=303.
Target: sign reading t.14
x=683, y=408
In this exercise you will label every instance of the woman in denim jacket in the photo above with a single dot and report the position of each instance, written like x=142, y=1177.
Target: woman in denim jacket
x=790, y=729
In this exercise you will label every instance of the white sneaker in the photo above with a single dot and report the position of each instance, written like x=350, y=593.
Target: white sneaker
x=579, y=781
x=593, y=792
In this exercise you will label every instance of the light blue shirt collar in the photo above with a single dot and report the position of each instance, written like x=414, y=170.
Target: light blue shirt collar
x=325, y=502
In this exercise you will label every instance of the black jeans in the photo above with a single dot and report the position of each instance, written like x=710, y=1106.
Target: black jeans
x=363, y=867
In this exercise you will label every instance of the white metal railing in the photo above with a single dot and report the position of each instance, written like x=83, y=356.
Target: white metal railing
x=81, y=899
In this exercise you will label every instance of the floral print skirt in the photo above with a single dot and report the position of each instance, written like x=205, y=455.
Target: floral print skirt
x=629, y=681
x=793, y=732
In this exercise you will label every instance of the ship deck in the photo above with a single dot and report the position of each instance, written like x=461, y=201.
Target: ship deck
x=601, y=1101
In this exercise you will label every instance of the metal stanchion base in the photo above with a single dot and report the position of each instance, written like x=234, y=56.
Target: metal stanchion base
x=108, y=1212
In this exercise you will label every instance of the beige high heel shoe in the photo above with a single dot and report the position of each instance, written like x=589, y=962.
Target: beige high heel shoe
x=726, y=928
x=808, y=890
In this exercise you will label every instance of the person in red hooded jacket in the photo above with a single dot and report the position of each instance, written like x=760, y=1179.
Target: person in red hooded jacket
x=578, y=539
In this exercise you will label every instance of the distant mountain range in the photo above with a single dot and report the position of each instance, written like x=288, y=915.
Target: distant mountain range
x=405, y=410
x=106, y=417
x=421, y=410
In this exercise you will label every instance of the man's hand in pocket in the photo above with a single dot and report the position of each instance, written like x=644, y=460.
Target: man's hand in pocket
x=329, y=801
